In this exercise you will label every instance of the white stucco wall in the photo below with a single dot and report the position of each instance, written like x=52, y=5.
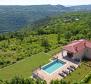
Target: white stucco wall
x=78, y=55
x=64, y=53
x=88, y=53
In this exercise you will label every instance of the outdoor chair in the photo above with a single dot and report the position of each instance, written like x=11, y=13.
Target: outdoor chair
x=62, y=74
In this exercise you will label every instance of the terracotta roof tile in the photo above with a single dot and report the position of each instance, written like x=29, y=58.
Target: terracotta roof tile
x=77, y=45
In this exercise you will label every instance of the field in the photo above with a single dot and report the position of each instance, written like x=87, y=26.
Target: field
x=79, y=74
x=89, y=82
x=25, y=67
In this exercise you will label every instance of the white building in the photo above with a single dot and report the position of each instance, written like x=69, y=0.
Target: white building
x=78, y=49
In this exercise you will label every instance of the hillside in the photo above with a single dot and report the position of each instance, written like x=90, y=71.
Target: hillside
x=22, y=50
x=58, y=31
x=13, y=18
x=81, y=8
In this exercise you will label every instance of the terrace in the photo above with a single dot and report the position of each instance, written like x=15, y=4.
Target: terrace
x=71, y=55
x=40, y=73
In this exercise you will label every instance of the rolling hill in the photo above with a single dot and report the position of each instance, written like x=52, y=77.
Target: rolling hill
x=13, y=18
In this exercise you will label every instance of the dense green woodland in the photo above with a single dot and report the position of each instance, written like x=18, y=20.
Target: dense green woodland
x=16, y=17
x=58, y=31
x=52, y=33
x=13, y=18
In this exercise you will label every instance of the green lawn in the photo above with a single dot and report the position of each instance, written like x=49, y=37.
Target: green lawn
x=79, y=74
x=89, y=82
x=25, y=67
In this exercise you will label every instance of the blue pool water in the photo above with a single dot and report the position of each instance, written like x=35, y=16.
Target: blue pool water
x=53, y=66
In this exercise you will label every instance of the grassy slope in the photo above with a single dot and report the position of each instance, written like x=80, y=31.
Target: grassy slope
x=79, y=74
x=26, y=66
x=89, y=82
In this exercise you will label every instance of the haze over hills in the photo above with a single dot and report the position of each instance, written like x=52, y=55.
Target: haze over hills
x=13, y=18
x=81, y=8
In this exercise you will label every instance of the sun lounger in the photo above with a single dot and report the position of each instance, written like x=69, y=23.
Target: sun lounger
x=62, y=74
x=70, y=69
x=73, y=67
x=66, y=72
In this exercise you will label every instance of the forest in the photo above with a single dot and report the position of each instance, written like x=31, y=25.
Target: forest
x=13, y=18
x=58, y=31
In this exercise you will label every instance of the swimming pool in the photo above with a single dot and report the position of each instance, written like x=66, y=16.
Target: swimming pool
x=53, y=66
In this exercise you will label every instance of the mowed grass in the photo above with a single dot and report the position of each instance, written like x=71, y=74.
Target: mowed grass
x=25, y=67
x=89, y=81
x=78, y=74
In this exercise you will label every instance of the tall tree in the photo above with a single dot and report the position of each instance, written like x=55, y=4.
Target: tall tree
x=45, y=44
x=58, y=38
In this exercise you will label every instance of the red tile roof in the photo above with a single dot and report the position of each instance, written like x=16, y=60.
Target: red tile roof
x=78, y=46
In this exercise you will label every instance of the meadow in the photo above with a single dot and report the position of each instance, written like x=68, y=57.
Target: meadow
x=79, y=74
x=25, y=67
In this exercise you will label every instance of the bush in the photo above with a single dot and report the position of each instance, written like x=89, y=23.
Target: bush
x=58, y=82
x=21, y=80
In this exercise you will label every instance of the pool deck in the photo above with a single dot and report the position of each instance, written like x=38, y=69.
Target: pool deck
x=55, y=75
